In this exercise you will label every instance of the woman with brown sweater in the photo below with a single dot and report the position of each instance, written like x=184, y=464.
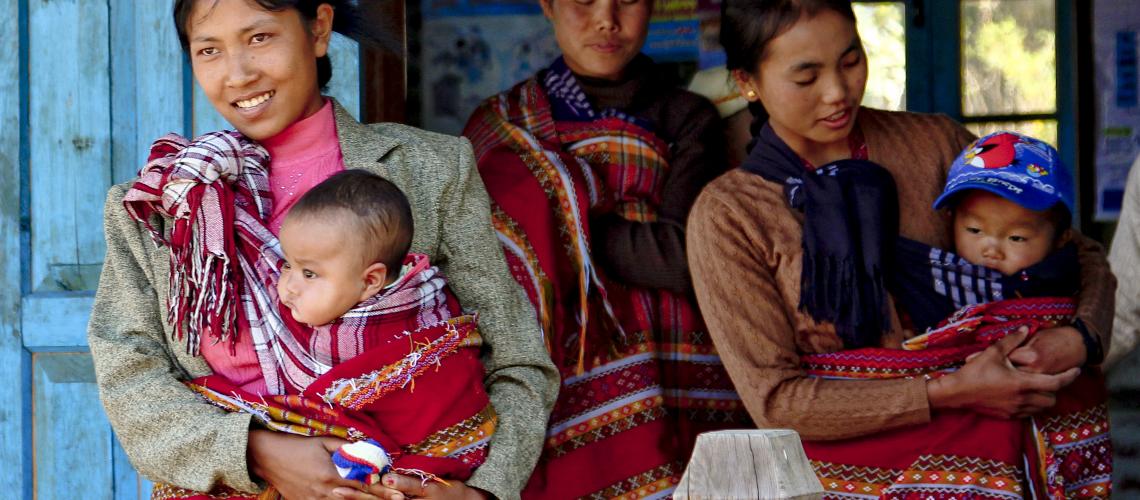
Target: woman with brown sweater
x=803, y=61
x=592, y=166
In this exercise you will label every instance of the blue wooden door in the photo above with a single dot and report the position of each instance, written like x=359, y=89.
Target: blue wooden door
x=84, y=88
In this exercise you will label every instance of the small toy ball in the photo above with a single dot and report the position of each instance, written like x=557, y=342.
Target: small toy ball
x=363, y=461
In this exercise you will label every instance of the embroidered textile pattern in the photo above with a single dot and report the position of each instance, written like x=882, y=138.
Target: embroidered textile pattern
x=460, y=440
x=355, y=393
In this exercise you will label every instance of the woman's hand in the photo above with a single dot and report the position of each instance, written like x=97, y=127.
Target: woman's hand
x=1051, y=351
x=300, y=468
x=399, y=487
x=990, y=384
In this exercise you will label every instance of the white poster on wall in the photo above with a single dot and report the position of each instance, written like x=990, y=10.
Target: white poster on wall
x=1116, y=25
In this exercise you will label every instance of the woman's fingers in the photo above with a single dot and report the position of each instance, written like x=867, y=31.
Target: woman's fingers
x=355, y=494
x=1038, y=401
x=1010, y=342
x=410, y=486
x=1042, y=382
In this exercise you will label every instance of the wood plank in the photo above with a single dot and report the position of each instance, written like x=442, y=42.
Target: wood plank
x=53, y=321
x=206, y=118
x=345, y=86
x=69, y=130
x=386, y=73
x=125, y=115
x=71, y=436
x=152, y=87
x=128, y=484
x=12, y=413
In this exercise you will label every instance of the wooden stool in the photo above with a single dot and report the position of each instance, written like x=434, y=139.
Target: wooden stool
x=768, y=464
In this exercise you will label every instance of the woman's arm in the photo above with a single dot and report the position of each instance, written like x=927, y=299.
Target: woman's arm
x=746, y=316
x=521, y=380
x=652, y=255
x=169, y=434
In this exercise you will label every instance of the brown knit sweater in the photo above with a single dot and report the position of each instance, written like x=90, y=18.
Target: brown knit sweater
x=745, y=253
x=652, y=255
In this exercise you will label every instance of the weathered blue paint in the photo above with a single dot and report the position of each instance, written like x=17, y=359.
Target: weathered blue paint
x=71, y=437
x=345, y=84
x=70, y=132
x=154, y=89
x=16, y=410
x=56, y=320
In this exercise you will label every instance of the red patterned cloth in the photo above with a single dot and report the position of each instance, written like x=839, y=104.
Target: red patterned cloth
x=420, y=396
x=640, y=378
x=1063, y=452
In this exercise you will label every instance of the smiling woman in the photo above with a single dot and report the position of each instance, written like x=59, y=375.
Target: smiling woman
x=262, y=64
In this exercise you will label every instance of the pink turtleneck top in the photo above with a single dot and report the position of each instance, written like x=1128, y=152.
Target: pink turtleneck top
x=301, y=156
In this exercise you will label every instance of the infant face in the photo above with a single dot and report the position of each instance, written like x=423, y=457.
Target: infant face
x=992, y=231
x=324, y=272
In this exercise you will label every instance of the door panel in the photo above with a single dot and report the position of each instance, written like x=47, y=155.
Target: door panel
x=13, y=390
x=71, y=439
x=69, y=136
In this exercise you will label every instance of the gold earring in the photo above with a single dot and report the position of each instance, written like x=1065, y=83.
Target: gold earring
x=751, y=94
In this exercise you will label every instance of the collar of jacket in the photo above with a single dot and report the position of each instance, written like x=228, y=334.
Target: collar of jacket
x=360, y=145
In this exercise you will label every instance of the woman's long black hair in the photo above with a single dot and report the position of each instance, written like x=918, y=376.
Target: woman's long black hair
x=364, y=23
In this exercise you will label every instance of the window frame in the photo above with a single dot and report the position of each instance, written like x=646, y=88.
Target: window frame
x=934, y=72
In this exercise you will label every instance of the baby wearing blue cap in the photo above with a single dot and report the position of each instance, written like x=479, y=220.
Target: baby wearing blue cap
x=1012, y=202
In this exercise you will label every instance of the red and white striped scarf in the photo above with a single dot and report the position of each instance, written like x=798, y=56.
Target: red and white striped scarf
x=225, y=262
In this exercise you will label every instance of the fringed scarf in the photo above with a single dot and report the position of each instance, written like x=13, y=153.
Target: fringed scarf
x=181, y=181
x=850, y=212
x=639, y=376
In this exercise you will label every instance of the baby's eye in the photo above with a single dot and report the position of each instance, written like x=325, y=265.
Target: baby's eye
x=1018, y=239
x=973, y=230
x=308, y=274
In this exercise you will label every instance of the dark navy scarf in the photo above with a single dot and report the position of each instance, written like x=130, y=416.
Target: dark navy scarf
x=851, y=218
x=568, y=102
